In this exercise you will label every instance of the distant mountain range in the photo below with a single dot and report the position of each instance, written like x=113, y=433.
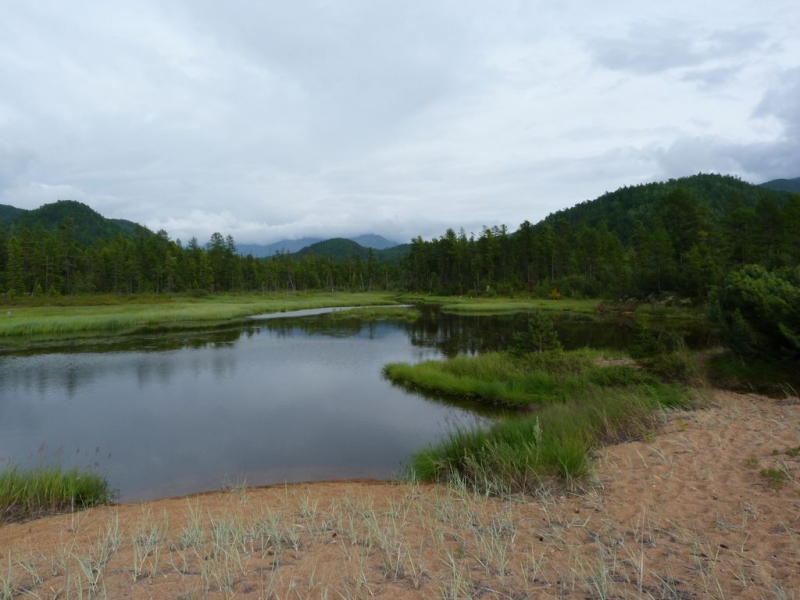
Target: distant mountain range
x=88, y=226
x=784, y=185
x=619, y=210
x=376, y=242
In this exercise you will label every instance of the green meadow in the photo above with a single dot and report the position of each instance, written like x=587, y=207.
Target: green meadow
x=116, y=314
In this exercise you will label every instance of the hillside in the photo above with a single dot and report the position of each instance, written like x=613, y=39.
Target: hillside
x=784, y=185
x=339, y=249
x=88, y=226
x=9, y=213
x=377, y=242
x=621, y=209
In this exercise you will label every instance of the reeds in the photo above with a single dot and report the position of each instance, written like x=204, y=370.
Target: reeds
x=26, y=494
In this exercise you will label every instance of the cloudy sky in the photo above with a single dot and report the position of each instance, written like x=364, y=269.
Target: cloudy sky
x=271, y=120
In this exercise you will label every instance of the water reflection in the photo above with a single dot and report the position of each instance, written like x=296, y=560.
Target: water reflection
x=269, y=401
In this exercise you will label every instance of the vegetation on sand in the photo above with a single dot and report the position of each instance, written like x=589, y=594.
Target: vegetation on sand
x=26, y=494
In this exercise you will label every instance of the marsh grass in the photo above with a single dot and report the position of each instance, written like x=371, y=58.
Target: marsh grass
x=49, y=489
x=575, y=403
x=485, y=305
x=521, y=381
x=113, y=314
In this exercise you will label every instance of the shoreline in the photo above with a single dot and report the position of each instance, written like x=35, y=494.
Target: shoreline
x=687, y=514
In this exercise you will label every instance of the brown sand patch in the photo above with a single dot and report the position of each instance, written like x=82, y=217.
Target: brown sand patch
x=686, y=515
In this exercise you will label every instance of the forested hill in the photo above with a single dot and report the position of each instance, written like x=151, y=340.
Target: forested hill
x=785, y=185
x=340, y=249
x=87, y=226
x=715, y=196
x=681, y=236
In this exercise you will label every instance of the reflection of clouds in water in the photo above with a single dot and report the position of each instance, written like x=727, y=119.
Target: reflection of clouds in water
x=292, y=399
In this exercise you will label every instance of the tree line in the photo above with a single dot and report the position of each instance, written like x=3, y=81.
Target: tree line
x=682, y=236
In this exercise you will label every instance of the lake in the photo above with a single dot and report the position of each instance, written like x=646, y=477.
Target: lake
x=274, y=400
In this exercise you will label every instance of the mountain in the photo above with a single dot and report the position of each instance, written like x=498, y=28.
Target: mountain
x=287, y=246
x=621, y=209
x=784, y=185
x=87, y=225
x=9, y=213
x=340, y=248
x=371, y=240
x=377, y=242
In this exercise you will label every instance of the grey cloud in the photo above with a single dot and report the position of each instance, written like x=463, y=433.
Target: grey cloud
x=758, y=161
x=14, y=162
x=273, y=120
x=713, y=77
x=652, y=48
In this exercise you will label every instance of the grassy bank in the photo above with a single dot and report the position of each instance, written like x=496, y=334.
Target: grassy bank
x=480, y=306
x=48, y=490
x=576, y=402
x=113, y=314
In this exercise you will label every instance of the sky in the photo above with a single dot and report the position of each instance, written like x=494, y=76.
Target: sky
x=274, y=120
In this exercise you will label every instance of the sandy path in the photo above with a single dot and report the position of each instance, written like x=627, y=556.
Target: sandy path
x=685, y=515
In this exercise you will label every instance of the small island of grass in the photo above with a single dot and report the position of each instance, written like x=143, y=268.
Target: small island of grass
x=570, y=403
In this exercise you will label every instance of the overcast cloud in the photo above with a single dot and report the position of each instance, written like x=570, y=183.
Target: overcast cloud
x=268, y=120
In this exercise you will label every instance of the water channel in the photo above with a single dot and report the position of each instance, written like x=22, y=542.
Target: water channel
x=273, y=400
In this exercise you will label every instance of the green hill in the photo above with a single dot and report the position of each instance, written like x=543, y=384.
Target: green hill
x=784, y=185
x=9, y=213
x=621, y=209
x=340, y=248
x=88, y=226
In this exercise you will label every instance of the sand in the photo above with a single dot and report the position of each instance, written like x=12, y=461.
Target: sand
x=708, y=508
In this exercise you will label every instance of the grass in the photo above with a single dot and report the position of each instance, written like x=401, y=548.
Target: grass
x=519, y=382
x=580, y=404
x=49, y=489
x=114, y=314
x=481, y=306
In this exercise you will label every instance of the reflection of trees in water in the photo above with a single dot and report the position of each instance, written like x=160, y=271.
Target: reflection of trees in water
x=340, y=327
x=454, y=334
x=458, y=334
x=319, y=325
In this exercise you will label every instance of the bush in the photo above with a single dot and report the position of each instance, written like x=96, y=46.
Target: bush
x=540, y=336
x=758, y=311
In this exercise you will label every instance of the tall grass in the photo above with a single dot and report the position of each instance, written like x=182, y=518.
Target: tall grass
x=577, y=404
x=49, y=489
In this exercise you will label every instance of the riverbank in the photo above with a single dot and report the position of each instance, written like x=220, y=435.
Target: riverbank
x=98, y=315
x=694, y=512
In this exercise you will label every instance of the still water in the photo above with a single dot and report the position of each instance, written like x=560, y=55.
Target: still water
x=274, y=400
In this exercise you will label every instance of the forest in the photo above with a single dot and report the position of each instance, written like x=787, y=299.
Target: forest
x=682, y=236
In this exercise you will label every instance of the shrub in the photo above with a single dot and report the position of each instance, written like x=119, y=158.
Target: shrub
x=758, y=311
x=540, y=336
